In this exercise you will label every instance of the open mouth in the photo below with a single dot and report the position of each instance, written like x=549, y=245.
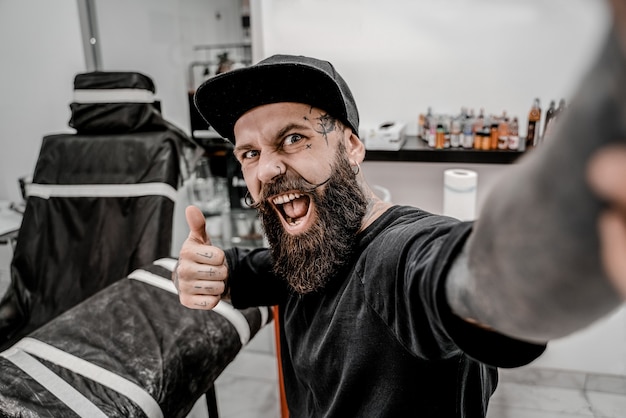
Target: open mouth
x=294, y=209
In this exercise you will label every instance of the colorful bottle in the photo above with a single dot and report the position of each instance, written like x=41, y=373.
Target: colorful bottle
x=493, y=134
x=503, y=132
x=534, y=119
x=446, y=131
x=440, y=137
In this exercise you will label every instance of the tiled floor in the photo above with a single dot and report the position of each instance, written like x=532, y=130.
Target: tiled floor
x=248, y=388
x=542, y=393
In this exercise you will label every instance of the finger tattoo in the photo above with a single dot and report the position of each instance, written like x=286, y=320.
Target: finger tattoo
x=210, y=272
x=206, y=255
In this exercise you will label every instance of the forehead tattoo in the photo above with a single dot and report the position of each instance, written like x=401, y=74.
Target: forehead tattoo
x=325, y=124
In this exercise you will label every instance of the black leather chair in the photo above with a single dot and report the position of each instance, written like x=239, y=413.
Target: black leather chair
x=130, y=350
x=100, y=204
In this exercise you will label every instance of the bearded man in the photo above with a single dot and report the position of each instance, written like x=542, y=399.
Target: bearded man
x=390, y=311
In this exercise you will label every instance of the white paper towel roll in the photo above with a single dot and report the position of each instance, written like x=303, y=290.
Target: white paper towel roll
x=459, y=193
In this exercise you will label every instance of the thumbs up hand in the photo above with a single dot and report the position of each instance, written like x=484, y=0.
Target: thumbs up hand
x=201, y=273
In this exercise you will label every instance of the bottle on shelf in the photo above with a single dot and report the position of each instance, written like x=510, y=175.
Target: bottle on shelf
x=514, y=135
x=534, y=119
x=493, y=134
x=467, y=140
x=423, y=124
x=559, y=110
x=503, y=132
x=446, y=131
x=463, y=115
x=477, y=128
x=485, y=139
x=550, y=113
x=464, y=130
x=440, y=136
x=455, y=133
x=431, y=132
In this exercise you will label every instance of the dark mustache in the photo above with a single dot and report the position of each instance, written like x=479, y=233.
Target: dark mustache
x=283, y=184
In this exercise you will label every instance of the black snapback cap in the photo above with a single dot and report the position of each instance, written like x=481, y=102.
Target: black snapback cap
x=223, y=99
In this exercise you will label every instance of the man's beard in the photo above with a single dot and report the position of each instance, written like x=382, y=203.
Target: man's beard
x=309, y=260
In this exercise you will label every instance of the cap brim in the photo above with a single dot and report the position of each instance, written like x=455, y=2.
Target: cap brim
x=223, y=99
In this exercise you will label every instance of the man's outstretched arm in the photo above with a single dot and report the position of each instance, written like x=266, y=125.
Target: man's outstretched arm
x=534, y=267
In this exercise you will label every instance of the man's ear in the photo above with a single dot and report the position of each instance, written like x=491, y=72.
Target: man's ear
x=354, y=147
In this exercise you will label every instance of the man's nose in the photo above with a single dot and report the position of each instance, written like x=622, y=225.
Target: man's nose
x=270, y=167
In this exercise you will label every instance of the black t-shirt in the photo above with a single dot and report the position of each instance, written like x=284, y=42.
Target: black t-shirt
x=380, y=340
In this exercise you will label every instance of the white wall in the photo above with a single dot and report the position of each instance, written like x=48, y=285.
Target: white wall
x=40, y=51
x=402, y=56
x=145, y=37
x=157, y=37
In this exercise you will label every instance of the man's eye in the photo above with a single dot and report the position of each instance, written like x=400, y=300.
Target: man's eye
x=292, y=139
x=249, y=154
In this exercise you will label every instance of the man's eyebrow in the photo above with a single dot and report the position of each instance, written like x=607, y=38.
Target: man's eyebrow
x=291, y=127
x=240, y=148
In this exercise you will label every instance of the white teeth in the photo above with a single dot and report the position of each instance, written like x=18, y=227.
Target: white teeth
x=282, y=199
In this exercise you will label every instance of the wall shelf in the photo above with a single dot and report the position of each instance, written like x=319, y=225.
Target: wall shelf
x=415, y=150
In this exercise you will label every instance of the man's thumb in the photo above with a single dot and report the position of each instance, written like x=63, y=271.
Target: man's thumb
x=197, y=225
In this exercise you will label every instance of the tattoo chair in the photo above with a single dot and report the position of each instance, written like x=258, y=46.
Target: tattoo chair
x=130, y=350
x=100, y=204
